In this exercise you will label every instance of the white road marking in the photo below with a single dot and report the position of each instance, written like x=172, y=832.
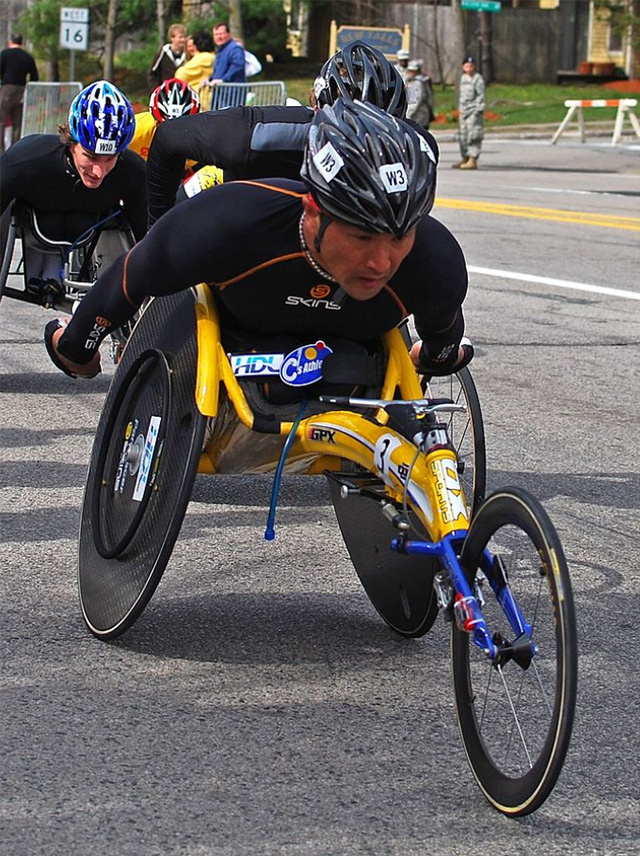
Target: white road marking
x=558, y=283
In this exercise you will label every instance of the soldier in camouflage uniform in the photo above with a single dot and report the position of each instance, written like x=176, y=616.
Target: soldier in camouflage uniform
x=419, y=94
x=471, y=115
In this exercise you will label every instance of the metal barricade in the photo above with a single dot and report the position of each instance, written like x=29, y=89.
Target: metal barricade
x=261, y=94
x=46, y=105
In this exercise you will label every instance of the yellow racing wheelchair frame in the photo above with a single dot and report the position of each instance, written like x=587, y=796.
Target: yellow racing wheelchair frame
x=326, y=440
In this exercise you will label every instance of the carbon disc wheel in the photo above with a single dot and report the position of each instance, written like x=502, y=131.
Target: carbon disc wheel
x=143, y=465
x=400, y=587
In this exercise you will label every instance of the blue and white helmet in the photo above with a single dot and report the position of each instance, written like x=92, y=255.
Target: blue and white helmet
x=101, y=119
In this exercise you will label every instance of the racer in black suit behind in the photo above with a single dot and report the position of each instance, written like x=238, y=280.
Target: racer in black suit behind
x=262, y=142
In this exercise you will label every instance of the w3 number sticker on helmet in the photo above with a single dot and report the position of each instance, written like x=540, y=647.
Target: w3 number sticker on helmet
x=394, y=178
x=328, y=162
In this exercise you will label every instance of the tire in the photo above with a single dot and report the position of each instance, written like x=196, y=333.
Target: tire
x=8, y=248
x=515, y=721
x=466, y=432
x=143, y=465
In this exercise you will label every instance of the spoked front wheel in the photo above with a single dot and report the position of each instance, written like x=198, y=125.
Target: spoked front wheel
x=516, y=718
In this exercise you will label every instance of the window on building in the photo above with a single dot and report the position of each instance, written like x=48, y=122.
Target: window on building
x=617, y=26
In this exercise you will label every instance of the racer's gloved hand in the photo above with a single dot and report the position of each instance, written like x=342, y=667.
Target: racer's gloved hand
x=439, y=368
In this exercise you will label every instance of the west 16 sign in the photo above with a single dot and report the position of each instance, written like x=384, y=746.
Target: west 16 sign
x=74, y=29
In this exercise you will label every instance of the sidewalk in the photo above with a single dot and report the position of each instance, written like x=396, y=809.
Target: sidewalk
x=601, y=129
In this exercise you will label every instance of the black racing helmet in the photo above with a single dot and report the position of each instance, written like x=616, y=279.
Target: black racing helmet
x=362, y=73
x=368, y=168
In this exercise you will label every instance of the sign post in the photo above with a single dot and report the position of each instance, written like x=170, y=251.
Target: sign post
x=74, y=33
x=482, y=7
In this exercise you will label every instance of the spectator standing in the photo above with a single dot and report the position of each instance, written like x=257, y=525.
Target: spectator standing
x=419, y=94
x=402, y=63
x=16, y=65
x=200, y=66
x=169, y=58
x=470, y=115
x=189, y=47
x=229, y=65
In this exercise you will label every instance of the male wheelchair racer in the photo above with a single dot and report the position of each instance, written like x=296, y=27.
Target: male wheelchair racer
x=179, y=405
x=181, y=402
x=56, y=274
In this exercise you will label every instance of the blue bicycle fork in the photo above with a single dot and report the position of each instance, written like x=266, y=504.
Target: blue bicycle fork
x=466, y=609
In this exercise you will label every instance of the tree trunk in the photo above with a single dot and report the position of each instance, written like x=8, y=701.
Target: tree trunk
x=161, y=21
x=235, y=20
x=109, y=40
x=457, y=43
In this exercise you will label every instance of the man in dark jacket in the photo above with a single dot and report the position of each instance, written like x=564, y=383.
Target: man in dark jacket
x=169, y=58
x=15, y=66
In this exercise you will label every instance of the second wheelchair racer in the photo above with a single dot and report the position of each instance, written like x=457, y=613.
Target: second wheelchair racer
x=171, y=100
x=74, y=180
x=355, y=233
x=261, y=142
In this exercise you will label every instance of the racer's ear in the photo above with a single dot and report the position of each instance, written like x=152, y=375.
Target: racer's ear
x=310, y=206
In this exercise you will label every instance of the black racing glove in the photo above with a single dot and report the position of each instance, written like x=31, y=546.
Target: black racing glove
x=438, y=368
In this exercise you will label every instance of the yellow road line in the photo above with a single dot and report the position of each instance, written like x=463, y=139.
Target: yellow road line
x=560, y=215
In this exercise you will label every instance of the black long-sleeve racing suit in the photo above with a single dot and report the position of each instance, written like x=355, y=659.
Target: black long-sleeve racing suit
x=243, y=239
x=39, y=171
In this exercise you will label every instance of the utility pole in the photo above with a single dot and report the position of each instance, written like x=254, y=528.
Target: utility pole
x=485, y=57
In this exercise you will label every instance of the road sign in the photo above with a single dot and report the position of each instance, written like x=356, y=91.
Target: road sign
x=74, y=15
x=74, y=29
x=481, y=5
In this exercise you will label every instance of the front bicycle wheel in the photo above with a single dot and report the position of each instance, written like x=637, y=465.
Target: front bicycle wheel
x=465, y=430
x=516, y=717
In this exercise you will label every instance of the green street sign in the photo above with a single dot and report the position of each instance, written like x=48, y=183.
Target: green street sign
x=481, y=5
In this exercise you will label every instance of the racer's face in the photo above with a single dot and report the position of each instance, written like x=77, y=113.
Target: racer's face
x=92, y=168
x=362, y=262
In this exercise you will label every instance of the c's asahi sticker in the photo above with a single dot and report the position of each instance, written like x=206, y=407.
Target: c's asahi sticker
x=304, y=365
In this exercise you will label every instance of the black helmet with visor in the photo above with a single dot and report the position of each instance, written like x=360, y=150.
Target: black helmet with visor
x=362, y=73
x=367, y=168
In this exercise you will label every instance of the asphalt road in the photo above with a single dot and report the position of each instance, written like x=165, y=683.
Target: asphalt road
x=259, y=706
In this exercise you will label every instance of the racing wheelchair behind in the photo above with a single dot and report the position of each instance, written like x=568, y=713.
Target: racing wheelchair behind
x=189, y=396
x=55, y=274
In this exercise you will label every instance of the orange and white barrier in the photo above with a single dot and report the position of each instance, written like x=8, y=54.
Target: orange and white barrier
x=624, y=106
